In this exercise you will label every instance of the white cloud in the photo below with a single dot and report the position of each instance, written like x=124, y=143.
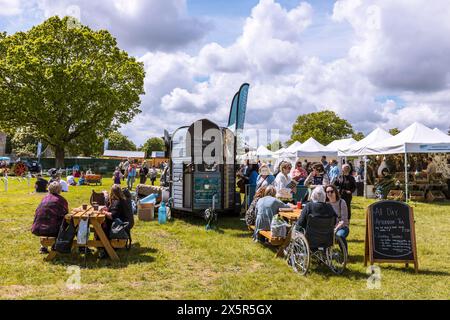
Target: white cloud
x=10, y=7
x=138, y=24
x=401, y=45
x=398, y=48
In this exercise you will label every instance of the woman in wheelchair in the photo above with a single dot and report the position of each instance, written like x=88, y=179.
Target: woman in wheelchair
x=314, y=237
x=340, y=207
x=316, y=208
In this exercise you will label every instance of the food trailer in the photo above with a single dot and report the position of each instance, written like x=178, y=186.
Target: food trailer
x=202, y=168
x=202, y=162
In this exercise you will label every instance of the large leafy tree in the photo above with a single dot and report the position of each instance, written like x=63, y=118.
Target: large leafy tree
x=24, y=143
x=324, y=126
x=117, y=141
x=358, y=136
x=70, y=85
x=153, y=144
x=394, y=131
x=275, y=146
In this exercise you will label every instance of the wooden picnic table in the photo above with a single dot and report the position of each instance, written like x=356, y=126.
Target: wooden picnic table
x=291, y=217
x=96, y=218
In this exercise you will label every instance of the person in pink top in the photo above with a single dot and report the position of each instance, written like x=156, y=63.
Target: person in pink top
x=298, y=173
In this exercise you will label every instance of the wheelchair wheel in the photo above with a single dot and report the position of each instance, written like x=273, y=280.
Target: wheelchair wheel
x=298, y=256
x=337, y=256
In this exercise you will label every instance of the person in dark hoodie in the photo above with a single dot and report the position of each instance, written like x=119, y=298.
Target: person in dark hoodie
x=316, y=208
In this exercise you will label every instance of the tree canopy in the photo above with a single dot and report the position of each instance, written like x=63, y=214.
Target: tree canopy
x=71, y=86
x=153, y=144
x=24, y=143
x=324, y=126
x=394, y=131
x=275, y=146
x=358, y=136
x=118, y=141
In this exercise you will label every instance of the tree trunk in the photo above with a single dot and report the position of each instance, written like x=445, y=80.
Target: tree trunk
x=59, y=157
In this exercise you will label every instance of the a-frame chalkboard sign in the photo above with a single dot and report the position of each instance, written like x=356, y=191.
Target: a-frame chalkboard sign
x=390, y=234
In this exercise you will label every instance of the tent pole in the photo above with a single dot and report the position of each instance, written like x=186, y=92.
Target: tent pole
x=365, y=176
x=406, y=176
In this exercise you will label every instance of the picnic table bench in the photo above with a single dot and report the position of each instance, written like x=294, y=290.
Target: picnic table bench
x=291, y=217
x=93, y=178
x=100, y=239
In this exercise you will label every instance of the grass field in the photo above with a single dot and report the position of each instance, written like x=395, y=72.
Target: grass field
x=181, y=260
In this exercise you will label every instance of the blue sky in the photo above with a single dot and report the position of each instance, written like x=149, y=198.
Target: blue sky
x=354, y=57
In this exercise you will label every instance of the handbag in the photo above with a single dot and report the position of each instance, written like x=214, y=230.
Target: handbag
x=119, y=230
x=65, y=237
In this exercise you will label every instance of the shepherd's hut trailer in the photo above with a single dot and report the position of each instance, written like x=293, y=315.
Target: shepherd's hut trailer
x=203, y=169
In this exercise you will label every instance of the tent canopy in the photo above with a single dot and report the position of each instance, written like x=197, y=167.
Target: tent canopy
x=280, y=151
x=340, y=144
x=293, y=148
x=312, y=148
x=262, y=151
x=124, y=154
x=442, y=134
x=417, y=138
x=358, y=148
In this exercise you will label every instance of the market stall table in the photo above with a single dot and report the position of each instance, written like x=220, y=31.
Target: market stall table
x=95, y=218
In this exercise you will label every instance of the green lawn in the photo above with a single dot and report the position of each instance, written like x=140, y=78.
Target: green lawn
x=181, y=260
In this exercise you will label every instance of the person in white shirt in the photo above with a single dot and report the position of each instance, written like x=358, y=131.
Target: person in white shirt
x=64, y=186
x=283, y=178
x=71, y=180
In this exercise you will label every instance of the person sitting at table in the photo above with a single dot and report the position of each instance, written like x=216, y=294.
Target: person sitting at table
x=41, y=184
x=265, y=177
x=318, y=176
x=298, y=173
x=50, y=214
x=82, y=180
x=117, y=208
x=283, y=180
x=317, y=207
x=250, y=214
x=266, y=208
x=340, y=207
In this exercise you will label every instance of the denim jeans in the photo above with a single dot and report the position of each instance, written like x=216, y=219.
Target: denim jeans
x=130, y=181
x=343, y=233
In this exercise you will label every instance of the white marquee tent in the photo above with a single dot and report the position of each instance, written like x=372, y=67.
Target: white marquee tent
x=416, y=138
x=312, y=148
x=263, y=152
x=293, y=148
x=442, y=134
x=341, y=144
x=358, y=148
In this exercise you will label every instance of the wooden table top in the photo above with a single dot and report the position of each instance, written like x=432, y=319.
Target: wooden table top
x=79, y=213
x=291, y=215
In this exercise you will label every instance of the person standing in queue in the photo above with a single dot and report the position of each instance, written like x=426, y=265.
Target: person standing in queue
x=346, y=185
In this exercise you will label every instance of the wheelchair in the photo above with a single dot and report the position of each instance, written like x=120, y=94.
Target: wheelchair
x=317, y=243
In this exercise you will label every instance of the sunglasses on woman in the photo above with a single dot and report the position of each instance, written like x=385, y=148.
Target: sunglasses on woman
x=330, y=191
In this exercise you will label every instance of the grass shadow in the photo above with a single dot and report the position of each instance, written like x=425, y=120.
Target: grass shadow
x=136, y=254
x=223, y=223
